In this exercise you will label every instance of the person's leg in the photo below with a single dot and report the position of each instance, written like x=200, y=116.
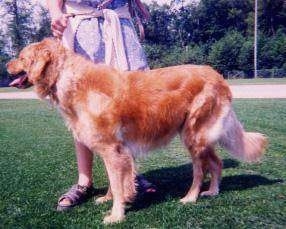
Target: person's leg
x=84, y=164
x=83, y=189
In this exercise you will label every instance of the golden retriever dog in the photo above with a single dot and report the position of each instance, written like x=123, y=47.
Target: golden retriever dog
x=120, y=115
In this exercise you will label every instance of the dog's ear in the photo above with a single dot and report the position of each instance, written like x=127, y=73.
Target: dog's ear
x=41, y=60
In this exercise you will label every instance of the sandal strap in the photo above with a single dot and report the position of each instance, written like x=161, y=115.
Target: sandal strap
x=77, y=194
x=144, y=185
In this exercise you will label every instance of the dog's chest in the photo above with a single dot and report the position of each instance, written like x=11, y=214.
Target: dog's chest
x=97, y=102
x=92, y=118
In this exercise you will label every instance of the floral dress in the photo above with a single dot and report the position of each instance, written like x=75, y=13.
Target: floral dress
x=89, y=41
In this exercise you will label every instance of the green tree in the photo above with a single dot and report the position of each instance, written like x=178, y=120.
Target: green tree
x=181, y=25
x=216, y=17
x=21, y=28
x=272, y=16
x=18, y=23
x=272, y=51
x=224, y=54
x=44, y=26
x=3, y=59
x=246, y=55
x=157, y=30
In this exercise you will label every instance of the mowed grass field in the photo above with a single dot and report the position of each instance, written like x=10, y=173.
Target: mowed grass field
x=38, y=164
x=257, y=81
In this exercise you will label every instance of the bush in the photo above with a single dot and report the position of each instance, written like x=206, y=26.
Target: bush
x=272, y=51
x=224, y=54
x=246, y=55
x=3, y=60
x=163, y=56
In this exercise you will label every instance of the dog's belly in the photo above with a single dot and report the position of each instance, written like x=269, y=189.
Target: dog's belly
x=140, y=143
x=137, y=149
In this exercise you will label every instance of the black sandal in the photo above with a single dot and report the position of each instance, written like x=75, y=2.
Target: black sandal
x=76, y=195
x=144, y=186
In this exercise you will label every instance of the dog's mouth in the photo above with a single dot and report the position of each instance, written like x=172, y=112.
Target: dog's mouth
x=21, y=81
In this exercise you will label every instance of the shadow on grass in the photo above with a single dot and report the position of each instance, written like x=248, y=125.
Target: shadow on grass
x=174, y=182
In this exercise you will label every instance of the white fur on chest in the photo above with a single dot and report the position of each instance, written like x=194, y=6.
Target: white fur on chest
x=64, y=84
x=87, y=112
x=97, y=102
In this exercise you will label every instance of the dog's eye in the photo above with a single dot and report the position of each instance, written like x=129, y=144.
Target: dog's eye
x=23, y=60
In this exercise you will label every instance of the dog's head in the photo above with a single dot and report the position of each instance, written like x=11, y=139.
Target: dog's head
x=33, y=66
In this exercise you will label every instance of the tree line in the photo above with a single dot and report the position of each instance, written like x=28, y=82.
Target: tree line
x=215, y=32
x=219, y=33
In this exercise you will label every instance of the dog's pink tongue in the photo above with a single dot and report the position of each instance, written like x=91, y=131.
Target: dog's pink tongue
x=19, y=82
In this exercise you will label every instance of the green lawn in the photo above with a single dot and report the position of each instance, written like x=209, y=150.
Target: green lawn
x=38, y=164
x=257, y=81
x=13, y=89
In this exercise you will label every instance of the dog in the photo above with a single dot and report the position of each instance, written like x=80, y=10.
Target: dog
x=120, y=115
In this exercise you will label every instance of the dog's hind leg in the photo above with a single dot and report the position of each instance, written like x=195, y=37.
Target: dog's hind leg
x=204, y=159
x=214, y=166
x=199, y=140
x=120, y=168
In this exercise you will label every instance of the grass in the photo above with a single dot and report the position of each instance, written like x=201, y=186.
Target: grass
x=38, y=164
x=257, y=81
x=13, y=89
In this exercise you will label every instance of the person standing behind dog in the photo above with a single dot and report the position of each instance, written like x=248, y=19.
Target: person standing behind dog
x=103, y=32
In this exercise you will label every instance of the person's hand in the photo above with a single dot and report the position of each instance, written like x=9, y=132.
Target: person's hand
x=59, y=23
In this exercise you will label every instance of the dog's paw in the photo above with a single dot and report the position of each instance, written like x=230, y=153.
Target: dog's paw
x=209, y=193
x=102, y=199
x=111, y=219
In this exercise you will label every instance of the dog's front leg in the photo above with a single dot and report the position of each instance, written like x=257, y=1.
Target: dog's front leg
x=120, y=168
x=105, y=198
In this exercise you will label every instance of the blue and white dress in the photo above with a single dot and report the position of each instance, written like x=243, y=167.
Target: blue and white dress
x=88, y=40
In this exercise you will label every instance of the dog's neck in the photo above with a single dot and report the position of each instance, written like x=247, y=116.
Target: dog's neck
x=51, y=74
x=70, y=76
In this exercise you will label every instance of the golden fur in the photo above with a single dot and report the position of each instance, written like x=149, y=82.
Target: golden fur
x=119, y=115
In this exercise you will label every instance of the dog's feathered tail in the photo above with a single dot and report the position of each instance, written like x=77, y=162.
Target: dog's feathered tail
x=245, y=146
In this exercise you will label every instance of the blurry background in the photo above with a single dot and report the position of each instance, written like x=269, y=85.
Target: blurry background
x=215, y=32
